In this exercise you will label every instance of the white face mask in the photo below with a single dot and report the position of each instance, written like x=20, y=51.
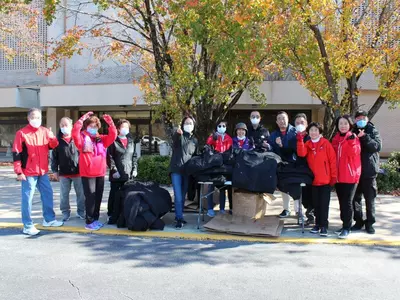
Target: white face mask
x=241, y=138
x=221, y=130
x=66, y=130
x=255, y=121
x=300, y=128
x=35, y=123
x=188, y=128
x=123, y=131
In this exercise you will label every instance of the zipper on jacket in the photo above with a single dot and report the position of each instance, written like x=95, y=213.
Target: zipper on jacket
x=351, y=172
x=326, y=170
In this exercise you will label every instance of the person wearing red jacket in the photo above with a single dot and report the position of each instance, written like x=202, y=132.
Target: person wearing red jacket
x=92, y=147
x=31, y=164
x=348, y=153
x=321, y=159
x=221, y=142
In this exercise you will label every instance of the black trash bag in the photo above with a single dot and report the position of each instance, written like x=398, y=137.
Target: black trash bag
x=291, y=175
x=256, y=171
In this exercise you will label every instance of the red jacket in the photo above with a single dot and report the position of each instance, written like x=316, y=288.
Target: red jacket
x=94, y=162
x=219, y=144
x=31, y=150
x=348, y=154
x=321, y=159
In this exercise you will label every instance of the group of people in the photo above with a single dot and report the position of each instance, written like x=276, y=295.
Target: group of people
x=80, y=157
x=349, y=163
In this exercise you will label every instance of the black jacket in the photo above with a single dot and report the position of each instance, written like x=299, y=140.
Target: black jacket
x=122, y=160
x=371, y=145
x=258, y=136
x=65, y=157
x=183, y=148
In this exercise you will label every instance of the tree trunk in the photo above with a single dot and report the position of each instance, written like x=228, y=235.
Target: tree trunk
x=377, y=105
x=329, y=123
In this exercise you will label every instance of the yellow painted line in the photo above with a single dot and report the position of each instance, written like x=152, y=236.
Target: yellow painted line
x=201, y=236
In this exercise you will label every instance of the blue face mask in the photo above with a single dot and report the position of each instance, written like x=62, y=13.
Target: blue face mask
x=361, y=123
x=92, y=131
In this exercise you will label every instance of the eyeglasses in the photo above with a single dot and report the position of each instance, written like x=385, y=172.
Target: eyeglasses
x=221, y=126
x=255, y=117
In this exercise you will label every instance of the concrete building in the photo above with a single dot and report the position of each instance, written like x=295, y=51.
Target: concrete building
x=107, y=88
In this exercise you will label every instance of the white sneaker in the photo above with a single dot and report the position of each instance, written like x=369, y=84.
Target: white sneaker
x=31, y=231
x=82, y=217
x=53, y=223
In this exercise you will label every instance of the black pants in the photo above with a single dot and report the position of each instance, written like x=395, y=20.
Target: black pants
x=345, y=193
x=321, y=196
x=114, y=206
x=368, y=188
x=93, y=188
x=306, y=200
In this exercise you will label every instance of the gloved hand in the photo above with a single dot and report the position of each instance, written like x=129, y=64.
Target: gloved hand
x=352, y=137
x=215, y=136
x=108, y=119
x=134, y=173
x=333, y=181
x=116, y=175
x=86, y=116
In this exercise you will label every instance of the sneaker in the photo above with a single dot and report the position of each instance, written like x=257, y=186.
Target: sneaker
x=98, y=224
x=53, y=223
x=179, y=224
x=370, y=229
x=323, y=232
x=66, y=217
x=315, y=230
x=80, y=216
x=344, y=234
x=357, y=227
x=182, y=220
x=211, y=213
x=339, y=231
x=93, y=226
x=31, y=231
x=284, y=214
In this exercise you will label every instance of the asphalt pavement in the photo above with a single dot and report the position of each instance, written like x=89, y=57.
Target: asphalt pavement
x=77, y=266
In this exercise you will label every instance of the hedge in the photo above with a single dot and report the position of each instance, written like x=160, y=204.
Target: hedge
x=388, y=179
x=154, y=168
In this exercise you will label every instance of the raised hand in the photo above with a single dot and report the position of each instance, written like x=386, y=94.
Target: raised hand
x=278, y=141
x=179, y=131
x=361, y=133
x=87, y=116
x=51, y=134
x=108, y=119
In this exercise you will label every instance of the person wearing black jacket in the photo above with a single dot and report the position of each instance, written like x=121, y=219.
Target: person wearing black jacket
x=257, y=133
x=184, y=146
x=64, y=165
x=122, y=162
x=371, y=145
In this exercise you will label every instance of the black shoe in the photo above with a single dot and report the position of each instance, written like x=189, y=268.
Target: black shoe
x=284, y=214
x=357, y=227
x=182, y=220
x=323, y=232
x=315, y=230
x=179, y=224
x=370, y=229
x=344, y=234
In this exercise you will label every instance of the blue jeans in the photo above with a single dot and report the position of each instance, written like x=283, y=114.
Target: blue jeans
x=222, y=198
x=42, y=183
x=180, y=184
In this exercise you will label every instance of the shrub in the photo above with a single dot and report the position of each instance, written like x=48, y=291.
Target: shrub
x=154, y=168
x=389, y=180
x=394, y=157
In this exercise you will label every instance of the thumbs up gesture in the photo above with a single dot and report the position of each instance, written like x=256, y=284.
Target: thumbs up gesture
x=51, y=134
x=179, y=131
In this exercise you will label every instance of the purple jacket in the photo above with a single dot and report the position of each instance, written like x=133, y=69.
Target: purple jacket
x=247, y=145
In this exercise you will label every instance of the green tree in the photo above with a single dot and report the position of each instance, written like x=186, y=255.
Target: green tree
x=330, y=44
x=197, y=57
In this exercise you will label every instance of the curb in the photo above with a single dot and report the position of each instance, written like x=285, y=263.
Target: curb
x=210, y=236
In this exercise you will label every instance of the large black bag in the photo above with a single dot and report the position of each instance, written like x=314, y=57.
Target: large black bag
x=144, y=205
x=256, y=171
x=207, y=160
